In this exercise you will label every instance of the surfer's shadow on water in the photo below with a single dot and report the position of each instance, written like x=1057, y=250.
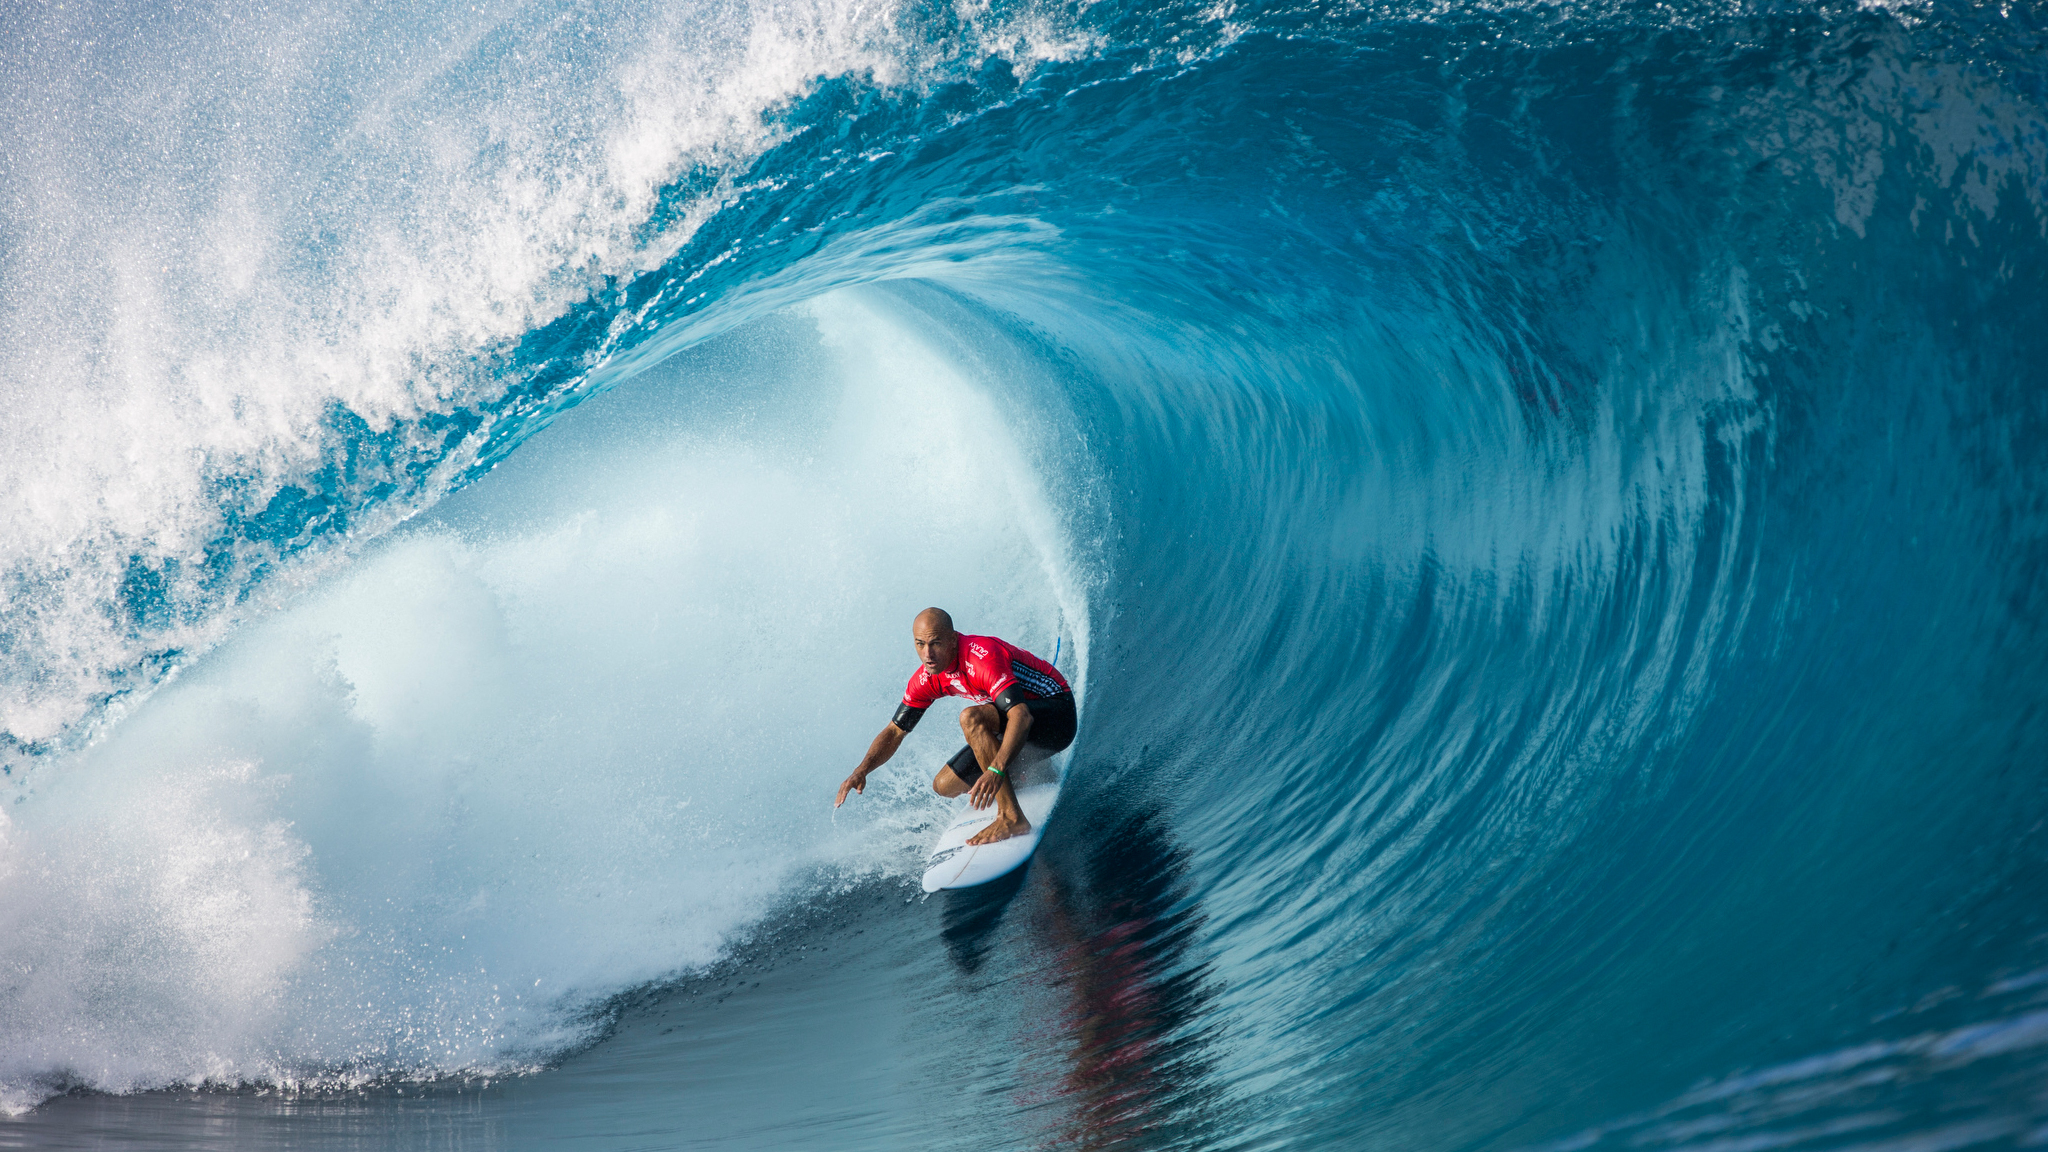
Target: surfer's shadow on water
x=973, y=912
x=971, y=916
x=1105, y=934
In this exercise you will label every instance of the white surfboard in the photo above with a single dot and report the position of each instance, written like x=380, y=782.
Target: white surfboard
x=953, y=863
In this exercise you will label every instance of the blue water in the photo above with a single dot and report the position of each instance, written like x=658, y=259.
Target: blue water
x=1545, y=508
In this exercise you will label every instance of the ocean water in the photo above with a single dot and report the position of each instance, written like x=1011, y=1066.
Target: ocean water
x=1545, y=507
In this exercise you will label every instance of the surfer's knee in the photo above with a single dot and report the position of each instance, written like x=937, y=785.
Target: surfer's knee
x=980, y=718
x=947, y=784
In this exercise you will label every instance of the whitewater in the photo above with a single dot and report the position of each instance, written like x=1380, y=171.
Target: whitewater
x=1545, y=509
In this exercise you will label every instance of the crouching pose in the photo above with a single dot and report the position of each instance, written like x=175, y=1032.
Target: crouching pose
x=1014, y=699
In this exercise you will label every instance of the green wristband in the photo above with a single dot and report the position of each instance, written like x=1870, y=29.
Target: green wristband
x=998, y=771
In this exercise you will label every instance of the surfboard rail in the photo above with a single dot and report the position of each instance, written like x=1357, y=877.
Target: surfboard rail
x=954, y=863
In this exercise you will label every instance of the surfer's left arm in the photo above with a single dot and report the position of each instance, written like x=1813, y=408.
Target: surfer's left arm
x=1015, y=729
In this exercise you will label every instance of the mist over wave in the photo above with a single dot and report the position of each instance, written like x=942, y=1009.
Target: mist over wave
x=1549, y=504
x=274, y=280
x=551, y=743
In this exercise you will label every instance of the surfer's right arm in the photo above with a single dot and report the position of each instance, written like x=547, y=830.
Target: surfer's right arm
x=885, y=744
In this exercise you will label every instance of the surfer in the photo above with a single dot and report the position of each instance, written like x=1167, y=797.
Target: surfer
x=1014, y=699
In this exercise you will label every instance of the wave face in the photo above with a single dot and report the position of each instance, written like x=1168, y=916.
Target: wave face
x=1549, y=507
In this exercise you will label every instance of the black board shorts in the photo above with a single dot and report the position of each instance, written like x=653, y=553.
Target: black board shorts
x=1052, y=728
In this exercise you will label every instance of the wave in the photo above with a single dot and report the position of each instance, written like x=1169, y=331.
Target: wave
x=1548, y=504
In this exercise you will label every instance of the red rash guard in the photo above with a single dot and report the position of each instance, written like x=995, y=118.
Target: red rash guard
x=987, y=671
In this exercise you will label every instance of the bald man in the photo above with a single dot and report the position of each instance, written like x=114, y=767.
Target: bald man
x=1013, y=699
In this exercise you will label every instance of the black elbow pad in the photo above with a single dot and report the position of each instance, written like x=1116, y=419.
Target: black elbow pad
x=907, y=717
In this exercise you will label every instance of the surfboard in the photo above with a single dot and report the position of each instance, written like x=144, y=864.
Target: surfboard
x=952, y=863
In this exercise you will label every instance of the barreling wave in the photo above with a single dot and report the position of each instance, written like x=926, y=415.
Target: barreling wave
x=1549, y=503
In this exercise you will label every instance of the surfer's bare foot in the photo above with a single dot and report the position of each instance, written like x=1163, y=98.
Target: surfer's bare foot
x=1001, y=828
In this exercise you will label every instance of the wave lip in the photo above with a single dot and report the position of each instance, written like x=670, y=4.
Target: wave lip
x=235, y=340
x=558, y=740
x=1549, y=502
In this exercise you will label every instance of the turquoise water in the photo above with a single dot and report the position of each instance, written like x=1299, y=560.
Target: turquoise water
x=1544, y=509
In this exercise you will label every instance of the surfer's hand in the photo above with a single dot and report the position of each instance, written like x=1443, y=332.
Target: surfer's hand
x=858, y=782
x=984, y=791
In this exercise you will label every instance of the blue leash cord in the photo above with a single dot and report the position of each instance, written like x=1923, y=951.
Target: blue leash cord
x=1055, y=661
